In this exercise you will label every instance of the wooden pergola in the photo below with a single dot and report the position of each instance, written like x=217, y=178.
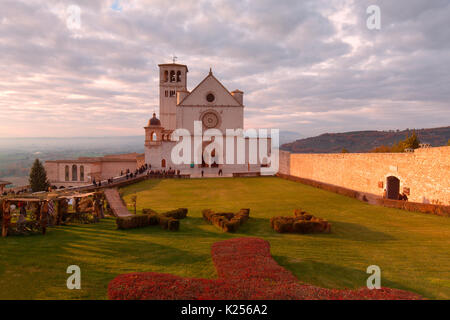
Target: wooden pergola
x=47, y=207
x=3, y=184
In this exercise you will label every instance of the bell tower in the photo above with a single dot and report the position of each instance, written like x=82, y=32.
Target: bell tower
x=173, y=78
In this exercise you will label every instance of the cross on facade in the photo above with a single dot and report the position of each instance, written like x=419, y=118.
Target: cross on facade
x=174, y=58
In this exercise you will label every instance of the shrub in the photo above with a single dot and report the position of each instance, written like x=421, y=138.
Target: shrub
x=149, y=211
x=153, y=219
x=302, y=223
x=145, y=220
x=132, y=222
x=227, y=221
x=168, y=223
x=207, y=214
x=173, y=225
x=284, y=225
x=231, y=225
x=163, y=222
x=298, y=212
x=180, y=213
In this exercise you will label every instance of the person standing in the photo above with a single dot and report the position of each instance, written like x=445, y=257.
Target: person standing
x=23, y=209
x=44, y=217
x=6, y=218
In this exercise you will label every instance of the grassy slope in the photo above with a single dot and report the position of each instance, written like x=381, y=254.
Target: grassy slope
x=411, y=249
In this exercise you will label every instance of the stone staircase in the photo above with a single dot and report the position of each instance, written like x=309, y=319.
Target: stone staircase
x=116, y=203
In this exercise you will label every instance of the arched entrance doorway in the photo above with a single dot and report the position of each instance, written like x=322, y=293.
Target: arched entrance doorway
x=392, y=187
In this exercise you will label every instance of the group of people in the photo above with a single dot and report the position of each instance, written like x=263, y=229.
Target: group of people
x=147, y=168
x=43, y=212
x=14, y=192
x=170, y=172
x=99, y=184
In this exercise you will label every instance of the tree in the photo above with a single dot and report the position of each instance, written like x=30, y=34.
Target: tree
x=448, y=142
x=344, y=150
x=38, y=177
x=411, y=142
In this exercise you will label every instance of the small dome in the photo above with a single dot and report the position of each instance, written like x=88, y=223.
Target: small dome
x=154, y=121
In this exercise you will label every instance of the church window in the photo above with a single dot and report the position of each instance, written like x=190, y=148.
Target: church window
x=74, y=173
x=67, y=173
x=153, y=136
x=166, y=76
x=163, y=163
x=166, y=93
x=81, y=173
x=178, y=76
x=172, y=76
x=172, y=93
x=210, y=97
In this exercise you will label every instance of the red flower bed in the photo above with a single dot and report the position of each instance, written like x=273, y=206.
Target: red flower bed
x=246, y=271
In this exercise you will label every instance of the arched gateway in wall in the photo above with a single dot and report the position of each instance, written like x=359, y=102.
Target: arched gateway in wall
x=392, y=187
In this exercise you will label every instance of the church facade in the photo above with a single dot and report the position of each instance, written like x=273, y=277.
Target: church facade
x=209, y=108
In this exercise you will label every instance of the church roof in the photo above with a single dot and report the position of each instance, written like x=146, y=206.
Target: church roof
x=4, y=183
x=154, y=121
x=173, y=65
x=233, y=100
x=124, y=157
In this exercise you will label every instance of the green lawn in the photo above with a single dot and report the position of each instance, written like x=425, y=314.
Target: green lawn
x=411, y=249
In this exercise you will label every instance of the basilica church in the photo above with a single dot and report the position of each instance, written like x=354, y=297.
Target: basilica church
x=209, y=107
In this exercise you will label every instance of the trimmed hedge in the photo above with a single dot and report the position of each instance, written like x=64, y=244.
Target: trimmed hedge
x=132, y=222
x=227, y=221
x=149, y=211
x=301, y=222
x=168, y=223
x=167, y=220
x=179, y=213
x=439, y=210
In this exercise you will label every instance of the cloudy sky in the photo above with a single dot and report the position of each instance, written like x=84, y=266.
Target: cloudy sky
x=305, y=66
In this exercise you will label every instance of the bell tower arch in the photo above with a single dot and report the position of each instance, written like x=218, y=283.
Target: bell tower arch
x=173, y=78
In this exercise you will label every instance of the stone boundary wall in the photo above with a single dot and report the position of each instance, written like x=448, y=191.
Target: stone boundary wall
x=284, y=162
x=425, y=173
x=439, y=210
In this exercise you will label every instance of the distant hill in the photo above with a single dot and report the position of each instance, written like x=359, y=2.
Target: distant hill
x=364, y=141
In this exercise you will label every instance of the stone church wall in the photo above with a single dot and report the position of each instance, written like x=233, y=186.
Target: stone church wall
x=285, y=162
x=426, y=172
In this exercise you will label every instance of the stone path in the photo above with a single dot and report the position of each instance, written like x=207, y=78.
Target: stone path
x=118, y=208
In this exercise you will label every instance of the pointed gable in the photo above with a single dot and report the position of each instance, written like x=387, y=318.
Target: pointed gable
x=210, y=85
